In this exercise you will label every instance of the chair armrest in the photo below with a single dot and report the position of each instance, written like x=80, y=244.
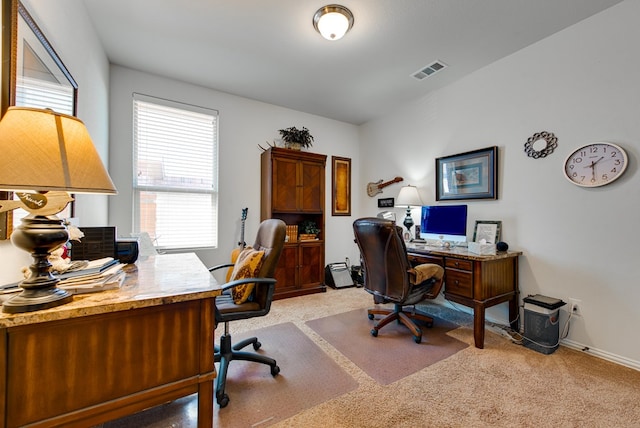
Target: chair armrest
x=226, y=265
x=238, y=282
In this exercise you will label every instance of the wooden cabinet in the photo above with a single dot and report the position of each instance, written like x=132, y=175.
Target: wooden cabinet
x=292, y=189
x=476, y=281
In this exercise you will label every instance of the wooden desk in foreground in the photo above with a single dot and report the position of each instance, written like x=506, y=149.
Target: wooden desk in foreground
x=110, y=354
x=475, y=281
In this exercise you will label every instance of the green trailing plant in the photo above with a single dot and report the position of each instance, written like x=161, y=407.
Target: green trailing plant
x=293, y=135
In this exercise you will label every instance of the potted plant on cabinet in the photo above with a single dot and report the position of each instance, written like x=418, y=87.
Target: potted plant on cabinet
x=308, y=230
x=295, y=138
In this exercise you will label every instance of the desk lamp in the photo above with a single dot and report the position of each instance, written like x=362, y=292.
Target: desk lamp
x=45, y=155
x=408, y=197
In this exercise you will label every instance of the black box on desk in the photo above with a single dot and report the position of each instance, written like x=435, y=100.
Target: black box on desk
x=97, y=243
x=542, y=323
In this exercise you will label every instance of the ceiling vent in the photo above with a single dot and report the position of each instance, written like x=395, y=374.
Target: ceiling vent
x=429, y=70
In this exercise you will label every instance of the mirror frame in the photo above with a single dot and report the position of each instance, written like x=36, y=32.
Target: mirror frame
x=12, y=11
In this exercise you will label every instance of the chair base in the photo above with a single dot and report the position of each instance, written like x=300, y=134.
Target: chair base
x=227, y=352
x=404, y=317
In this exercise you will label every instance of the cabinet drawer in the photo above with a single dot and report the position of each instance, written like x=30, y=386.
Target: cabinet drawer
x=418, y=259
x=458, y=282
x=458, y=264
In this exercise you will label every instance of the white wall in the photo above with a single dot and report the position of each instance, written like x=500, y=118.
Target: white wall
x=582, y=85
x=244, y=124
x=66, y=25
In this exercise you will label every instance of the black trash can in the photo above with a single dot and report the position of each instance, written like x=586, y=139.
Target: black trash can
x=541, y=323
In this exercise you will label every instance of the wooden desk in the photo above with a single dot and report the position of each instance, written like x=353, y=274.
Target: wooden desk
x=475, y=281
x=109, y=354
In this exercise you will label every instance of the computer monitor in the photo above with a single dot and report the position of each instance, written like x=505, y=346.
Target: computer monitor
x=444, y=223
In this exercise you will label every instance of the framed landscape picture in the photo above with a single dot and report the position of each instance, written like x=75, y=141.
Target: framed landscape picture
x=469, y=175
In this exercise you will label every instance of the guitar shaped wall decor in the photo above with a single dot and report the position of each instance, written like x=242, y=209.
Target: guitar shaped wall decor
x=241, y=244
x=375, y=188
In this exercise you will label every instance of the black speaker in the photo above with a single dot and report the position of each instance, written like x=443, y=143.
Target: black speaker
x=502, y=246
x=127, y=251
x=338, y=275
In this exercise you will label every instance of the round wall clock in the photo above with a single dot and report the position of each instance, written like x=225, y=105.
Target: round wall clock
x=595, y=164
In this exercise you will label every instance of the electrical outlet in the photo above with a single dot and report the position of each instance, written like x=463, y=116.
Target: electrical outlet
x=575, y=307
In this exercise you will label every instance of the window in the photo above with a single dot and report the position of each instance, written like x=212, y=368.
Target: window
x=175, y=163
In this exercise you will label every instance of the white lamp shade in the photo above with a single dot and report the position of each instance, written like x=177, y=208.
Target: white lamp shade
x=408, y=197
x=43, y=151
x=333, y=21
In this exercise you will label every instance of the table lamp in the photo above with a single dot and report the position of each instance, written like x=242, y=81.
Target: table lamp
x=408, y=197
x=45, y=155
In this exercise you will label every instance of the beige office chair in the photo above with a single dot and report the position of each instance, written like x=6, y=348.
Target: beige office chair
x=389, y=276
x=270, y=239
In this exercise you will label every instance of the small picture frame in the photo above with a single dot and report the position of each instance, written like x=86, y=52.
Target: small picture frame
x=386, y=202
x=489, y=230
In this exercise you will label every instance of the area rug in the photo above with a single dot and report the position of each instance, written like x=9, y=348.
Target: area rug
x=392, y=355
x=307, y=378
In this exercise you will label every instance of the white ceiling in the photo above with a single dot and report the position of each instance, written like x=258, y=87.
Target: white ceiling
x=268, y=50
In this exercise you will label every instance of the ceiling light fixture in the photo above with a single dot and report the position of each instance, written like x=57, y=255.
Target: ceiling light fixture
x=333, y=21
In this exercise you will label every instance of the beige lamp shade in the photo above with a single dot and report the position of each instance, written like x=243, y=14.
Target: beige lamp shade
x=408, y=197
x=41, y=150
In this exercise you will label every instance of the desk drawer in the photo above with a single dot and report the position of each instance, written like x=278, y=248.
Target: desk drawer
x=458, y=264
x=458, y=282
x=418, y=259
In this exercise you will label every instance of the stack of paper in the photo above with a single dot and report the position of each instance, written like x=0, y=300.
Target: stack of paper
x=98, y=275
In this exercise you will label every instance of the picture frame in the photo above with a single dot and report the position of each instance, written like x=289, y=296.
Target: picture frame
x=341, y=186
x=489, y=230
x=469, y=175
x=386, y=202
x=30, y=65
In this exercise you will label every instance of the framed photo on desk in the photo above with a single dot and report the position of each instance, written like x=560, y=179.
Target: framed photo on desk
x=488, y=230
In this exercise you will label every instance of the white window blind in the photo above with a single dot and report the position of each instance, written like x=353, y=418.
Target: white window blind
x=175, y=173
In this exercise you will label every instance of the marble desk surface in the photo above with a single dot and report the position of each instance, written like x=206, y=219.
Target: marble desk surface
x=459, y=252
x=152, y=281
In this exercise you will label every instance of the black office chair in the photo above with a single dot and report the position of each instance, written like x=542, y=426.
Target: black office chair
x=270, y=239
x=389, y=276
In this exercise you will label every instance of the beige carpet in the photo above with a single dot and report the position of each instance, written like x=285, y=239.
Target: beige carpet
x=392, y=355
x=502, y=385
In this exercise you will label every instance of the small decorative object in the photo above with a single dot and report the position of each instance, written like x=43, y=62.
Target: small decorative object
x=595, y=164
x=487, y=231
x=296, y=139
x=308, y=230
x=375, y=188
x=540, y=144
x=502, y=246
x=469, y=175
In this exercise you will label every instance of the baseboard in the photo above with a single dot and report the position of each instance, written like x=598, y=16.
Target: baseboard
x=601, y=354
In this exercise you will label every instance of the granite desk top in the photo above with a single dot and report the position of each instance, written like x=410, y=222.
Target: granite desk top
x=153, y=281
x=459, y=252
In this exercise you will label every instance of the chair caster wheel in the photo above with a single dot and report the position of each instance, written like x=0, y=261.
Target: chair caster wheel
x=417, y=339
x=374, y=332
x=223, y=400
x=370, y=316
x=256, y=345
x=275, y=370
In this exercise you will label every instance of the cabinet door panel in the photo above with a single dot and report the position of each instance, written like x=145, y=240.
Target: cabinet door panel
x=284, y=185
x=287, y=269
x=312, y=190
x=311, y=264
